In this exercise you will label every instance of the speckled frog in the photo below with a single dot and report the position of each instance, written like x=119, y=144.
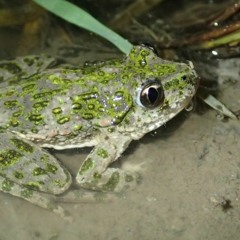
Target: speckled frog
x=105, y=105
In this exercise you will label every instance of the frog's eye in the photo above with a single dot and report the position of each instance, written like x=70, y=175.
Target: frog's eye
x=151, y=95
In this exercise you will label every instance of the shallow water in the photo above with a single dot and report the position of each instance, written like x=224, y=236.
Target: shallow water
x=190, y=189
x=190, y=186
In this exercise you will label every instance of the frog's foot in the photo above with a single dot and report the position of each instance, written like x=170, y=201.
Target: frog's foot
x=94, y=173
x=29, y=172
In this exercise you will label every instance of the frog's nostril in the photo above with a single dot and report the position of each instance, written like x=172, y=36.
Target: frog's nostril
x=184, y=77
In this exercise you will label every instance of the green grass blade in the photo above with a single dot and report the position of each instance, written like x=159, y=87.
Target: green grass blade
x=81, y=18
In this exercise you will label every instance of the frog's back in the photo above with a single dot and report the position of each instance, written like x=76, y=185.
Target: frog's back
x=58, y=105
x=37, y=108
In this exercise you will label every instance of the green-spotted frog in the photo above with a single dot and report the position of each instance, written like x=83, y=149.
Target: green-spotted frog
x=105, y=105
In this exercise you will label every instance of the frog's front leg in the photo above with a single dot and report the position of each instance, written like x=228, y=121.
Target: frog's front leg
x=94, y=173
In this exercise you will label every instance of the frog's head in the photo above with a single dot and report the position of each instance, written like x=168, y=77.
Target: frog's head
x=161, y=90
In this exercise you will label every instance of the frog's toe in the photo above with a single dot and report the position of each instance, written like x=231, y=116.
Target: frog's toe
x=112, y=180
x=120, y=180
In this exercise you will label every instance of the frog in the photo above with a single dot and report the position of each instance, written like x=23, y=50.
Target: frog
x=105, y=105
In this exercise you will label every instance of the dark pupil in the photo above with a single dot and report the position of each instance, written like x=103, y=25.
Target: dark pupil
x=152, y=95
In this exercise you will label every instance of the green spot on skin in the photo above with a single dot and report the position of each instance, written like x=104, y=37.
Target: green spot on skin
x=11, y=104
x=110, y=130
x=13, y=122
x=32, y=185
x=42, y=95
x=119, y=94
x=34, y=130
x=102, y=153
x=101, y=109
x=77, y=128
x=175, y=82
x=10, y=92
x=59, y=81
x=63, y=120
x=112, y=182
x=87, y=116
x=21, y=145
x=18, y=175
x=86, y=96
x=7, y=185
x=76, y=106
x=87, y=164
x=59, y=183
x=39, y=171
x=144, y=53
x=91, y=106
x=9, y=157
x=57, y=110
x=167, y=85
x=29, y=88
x=27, y=193
x=40, y=105
x=51, y=168
x=17, y=113
x=97, y=176
x=44, y=158
x=36, y=118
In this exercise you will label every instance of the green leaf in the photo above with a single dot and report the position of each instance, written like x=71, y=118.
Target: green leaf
x=81, y=18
